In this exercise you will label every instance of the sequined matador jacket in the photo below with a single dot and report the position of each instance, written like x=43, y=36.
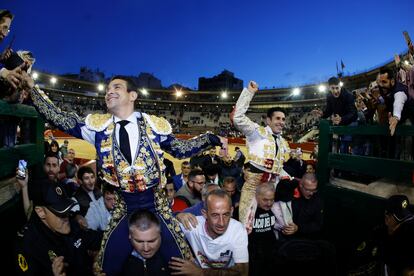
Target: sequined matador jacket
x=146, y=172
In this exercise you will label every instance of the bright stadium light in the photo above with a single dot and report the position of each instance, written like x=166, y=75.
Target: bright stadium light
x=35, y=75
x=322, y=88
x=53, y=80
x=296, y=92
x=101, y=87
x=178, y=93
x=144, y=91
x=224, y=94
x=341, y=84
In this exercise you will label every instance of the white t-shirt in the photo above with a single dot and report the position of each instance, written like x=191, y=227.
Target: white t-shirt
x=221, y=252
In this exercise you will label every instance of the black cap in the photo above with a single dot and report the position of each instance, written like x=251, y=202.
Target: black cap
x=51, y=195
x=398, y=207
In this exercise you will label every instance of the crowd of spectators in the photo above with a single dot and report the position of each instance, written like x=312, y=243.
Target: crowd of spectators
x=288, y=220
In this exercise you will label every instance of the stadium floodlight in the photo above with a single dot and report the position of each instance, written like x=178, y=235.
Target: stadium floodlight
x=35, y=75
x=224, y=94
x=144, y=91
x=101, y=87
x=296, y=92
x=322, y=88
x=53, y=80
x=178, y=93
x=341, y=84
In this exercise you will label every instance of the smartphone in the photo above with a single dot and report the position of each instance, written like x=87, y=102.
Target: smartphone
x=21, y=169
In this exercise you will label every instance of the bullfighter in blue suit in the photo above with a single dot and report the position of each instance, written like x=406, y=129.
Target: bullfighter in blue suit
x=130, y=147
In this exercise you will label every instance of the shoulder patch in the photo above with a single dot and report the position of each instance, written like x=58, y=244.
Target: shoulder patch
x=22, y=262
x=262, y=131
x=98, y=122
x=158, y=124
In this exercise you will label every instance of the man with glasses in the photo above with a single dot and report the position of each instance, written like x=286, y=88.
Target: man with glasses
x=192, y=190
x=307, y=209
x=50, y=245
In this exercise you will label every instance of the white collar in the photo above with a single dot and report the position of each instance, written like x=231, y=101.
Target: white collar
x=269, y=130
x=132, y=118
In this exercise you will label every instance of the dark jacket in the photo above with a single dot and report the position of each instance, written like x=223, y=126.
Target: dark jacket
x=308, y=216
x=84, y=199
x=37, y=245
x=398, y=251
x=155, y=266
x=344, y=106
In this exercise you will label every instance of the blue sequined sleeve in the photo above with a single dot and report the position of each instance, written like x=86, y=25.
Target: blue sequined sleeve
x=68, y=122
x=187, y=148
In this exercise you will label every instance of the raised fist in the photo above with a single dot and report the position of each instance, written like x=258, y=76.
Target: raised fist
x=253, y=87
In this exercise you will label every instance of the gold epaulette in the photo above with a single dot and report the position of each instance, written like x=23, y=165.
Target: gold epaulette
x=262, y=132
x=98, y=122
x=158, y=124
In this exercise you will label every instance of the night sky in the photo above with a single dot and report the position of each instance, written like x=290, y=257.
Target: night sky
x=276, y=43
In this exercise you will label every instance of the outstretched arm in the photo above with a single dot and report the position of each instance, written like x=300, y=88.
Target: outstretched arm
x=187, y=148
x=239, y=118
x=68, y=122
x=188, y=267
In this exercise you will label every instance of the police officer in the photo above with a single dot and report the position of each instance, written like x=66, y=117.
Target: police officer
x=50, y=244
x=399, y=243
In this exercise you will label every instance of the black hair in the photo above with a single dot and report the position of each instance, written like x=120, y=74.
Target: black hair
x=211, y=169
x=131, y=86
x=194, y=173
x=229, y=179
x=83, y=170
x=71, y=170
x=108, y=189
x=5, y=14
x=50, y=154
x=53, y=143
x=390, y=72
x=333, y=81
x=272, y=110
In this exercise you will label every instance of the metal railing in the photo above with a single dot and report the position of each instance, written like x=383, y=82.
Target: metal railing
x=400, y=170
x=32, y=150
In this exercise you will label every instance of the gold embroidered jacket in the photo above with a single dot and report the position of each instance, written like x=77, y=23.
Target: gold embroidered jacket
x=155, y=135
x=259, y=140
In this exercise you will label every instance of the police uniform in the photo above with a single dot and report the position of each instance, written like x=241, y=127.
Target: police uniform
x=398, y=246
x=37, y=245
x=139, y=182
x=266, y=155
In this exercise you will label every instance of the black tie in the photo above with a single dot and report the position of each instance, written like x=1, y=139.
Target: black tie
x=124, y=141
x=277, y=147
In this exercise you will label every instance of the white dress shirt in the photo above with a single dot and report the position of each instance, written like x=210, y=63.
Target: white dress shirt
x=133, y=133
